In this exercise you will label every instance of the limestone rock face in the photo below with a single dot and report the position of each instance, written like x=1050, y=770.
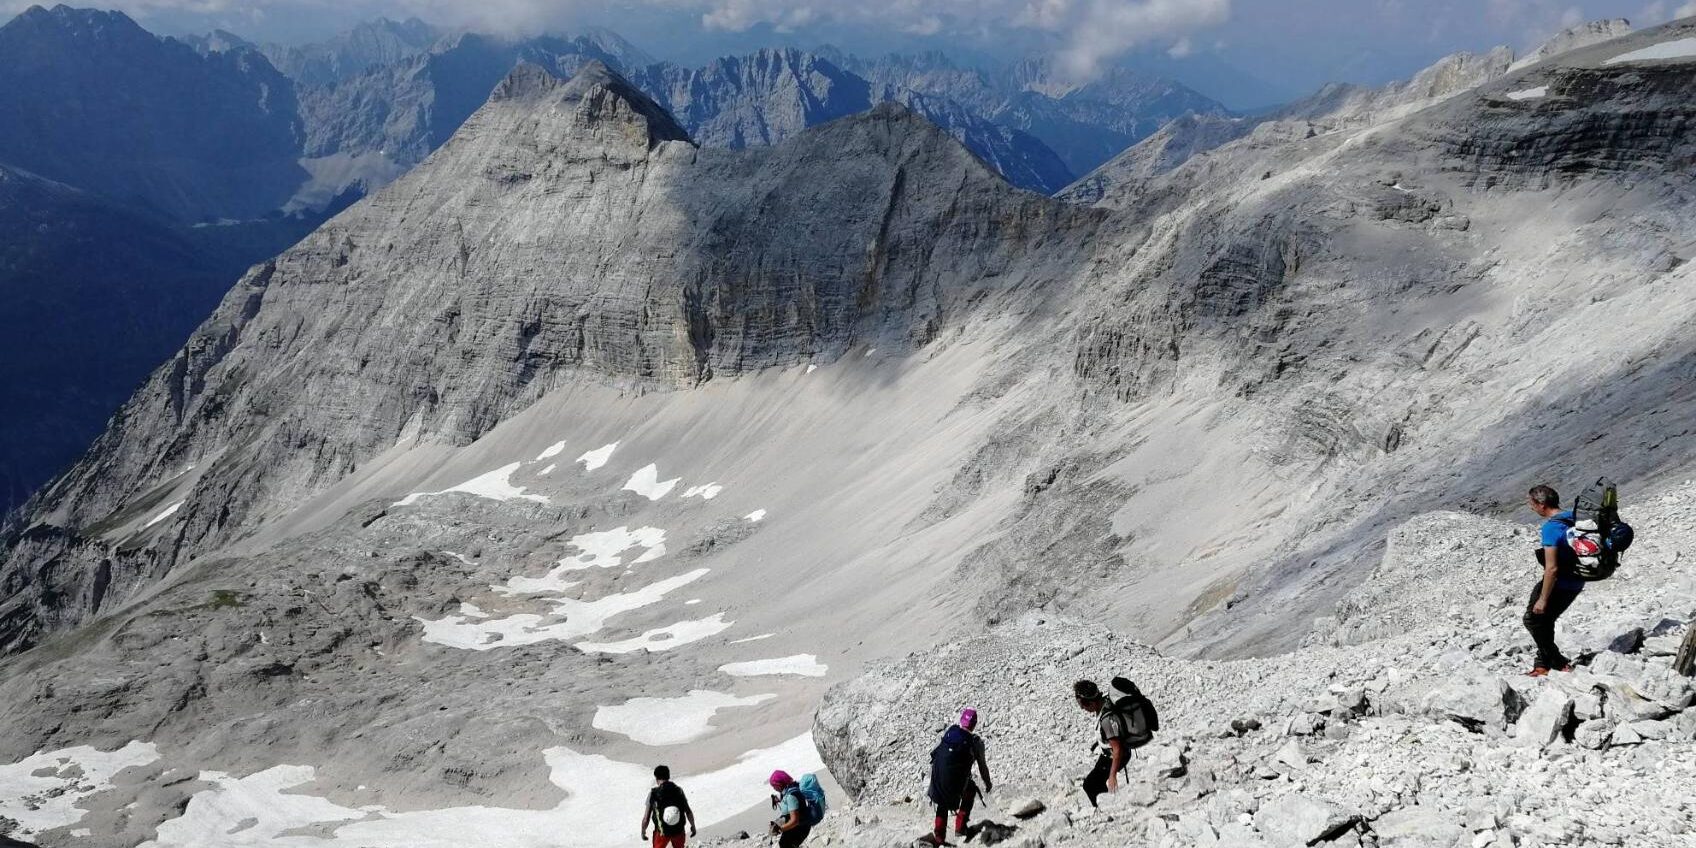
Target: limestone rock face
x=570, y=227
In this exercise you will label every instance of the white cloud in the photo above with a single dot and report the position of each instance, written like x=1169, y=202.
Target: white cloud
x=1688, y=10
x=1181, y=50
x=1087, y=33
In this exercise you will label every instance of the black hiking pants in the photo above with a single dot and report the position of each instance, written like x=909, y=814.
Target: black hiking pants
x=1095, y=783
x=1542, y=627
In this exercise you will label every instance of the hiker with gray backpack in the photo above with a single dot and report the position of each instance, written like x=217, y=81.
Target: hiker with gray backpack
x=1574, y=547
x=1125, y=723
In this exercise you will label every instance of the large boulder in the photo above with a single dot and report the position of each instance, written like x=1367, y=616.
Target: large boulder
x=1417, y=827
x=1477, y=702
x=1297, y=819
x=1543, y=721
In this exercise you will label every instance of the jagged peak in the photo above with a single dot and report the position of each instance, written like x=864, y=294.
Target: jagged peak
x=73, y=18
x=529, y=82
x=1574, y=38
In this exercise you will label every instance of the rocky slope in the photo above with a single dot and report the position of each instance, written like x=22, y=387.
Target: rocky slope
x=1404, y=722
x=1334, y=107
x=579, y=433
x=700, y=302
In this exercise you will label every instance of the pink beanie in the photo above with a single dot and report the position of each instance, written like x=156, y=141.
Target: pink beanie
x=779, y=779
x=968, y=718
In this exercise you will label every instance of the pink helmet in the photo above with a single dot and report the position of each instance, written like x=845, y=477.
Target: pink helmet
x=779, y=779
x=968, y=718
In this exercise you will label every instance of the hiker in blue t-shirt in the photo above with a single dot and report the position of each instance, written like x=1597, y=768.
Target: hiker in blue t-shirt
x=791, y=825
x=1558, y=588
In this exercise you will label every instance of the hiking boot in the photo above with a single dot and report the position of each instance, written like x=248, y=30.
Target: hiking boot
x=1566, y=668
x=1539, y=671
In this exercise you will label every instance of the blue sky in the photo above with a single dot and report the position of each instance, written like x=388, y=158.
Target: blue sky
x=1266, y=48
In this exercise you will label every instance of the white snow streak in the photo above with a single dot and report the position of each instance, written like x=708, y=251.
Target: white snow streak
x=803, y=665
x=163, y=514
x=550, y=451
x=595, y=810
x=39, y=803
x=662, y=638
x=1529, y=93
x=756, y=515
x=569, y=618
x=1681, y=48
x=598, y=457
x=707, y=492
x=669, y=721
x=495, y=485
x=647, y=483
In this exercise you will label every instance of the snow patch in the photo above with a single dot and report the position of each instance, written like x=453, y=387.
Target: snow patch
x=1681, y=48
x=706, y=493
x=647, y=483
x=48, y=801
x=495, y=485
x=551, y=451
x=568, y=618
x=812, y=368
x=752, y=638
x=669, y=721
x=601, y=549
x=546, y=471
x=662, y=638
x=594, y=811
x=756, y=515
x=163, y=514
x=1529, y=93
x=803, y=665
x=598, y=457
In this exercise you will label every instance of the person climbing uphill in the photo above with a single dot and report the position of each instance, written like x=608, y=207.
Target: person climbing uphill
x=951, y=785
x=1125, y=724
x=667, y=809
x=799, y=805
x=1558, y=587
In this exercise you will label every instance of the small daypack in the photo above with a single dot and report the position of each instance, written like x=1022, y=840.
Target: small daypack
x=1596, y=533
x=812, y=798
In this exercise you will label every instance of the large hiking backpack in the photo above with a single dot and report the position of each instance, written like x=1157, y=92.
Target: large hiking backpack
x=951, y=766
x=812, y=798
x=1127, y=705
x=1596, y=533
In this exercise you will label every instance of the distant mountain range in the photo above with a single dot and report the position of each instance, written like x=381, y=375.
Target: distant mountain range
x=192, y=158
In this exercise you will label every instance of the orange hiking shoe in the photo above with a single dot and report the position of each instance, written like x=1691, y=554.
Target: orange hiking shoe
x=1538, y=672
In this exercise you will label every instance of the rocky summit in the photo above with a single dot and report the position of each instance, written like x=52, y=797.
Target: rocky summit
x=583, y=446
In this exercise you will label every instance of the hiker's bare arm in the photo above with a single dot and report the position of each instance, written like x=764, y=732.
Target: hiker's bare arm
x=790, y=822
x=1551, y=571
x=1118, y=747
x=983, y=769
x=691, y=814
x=646, y=815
